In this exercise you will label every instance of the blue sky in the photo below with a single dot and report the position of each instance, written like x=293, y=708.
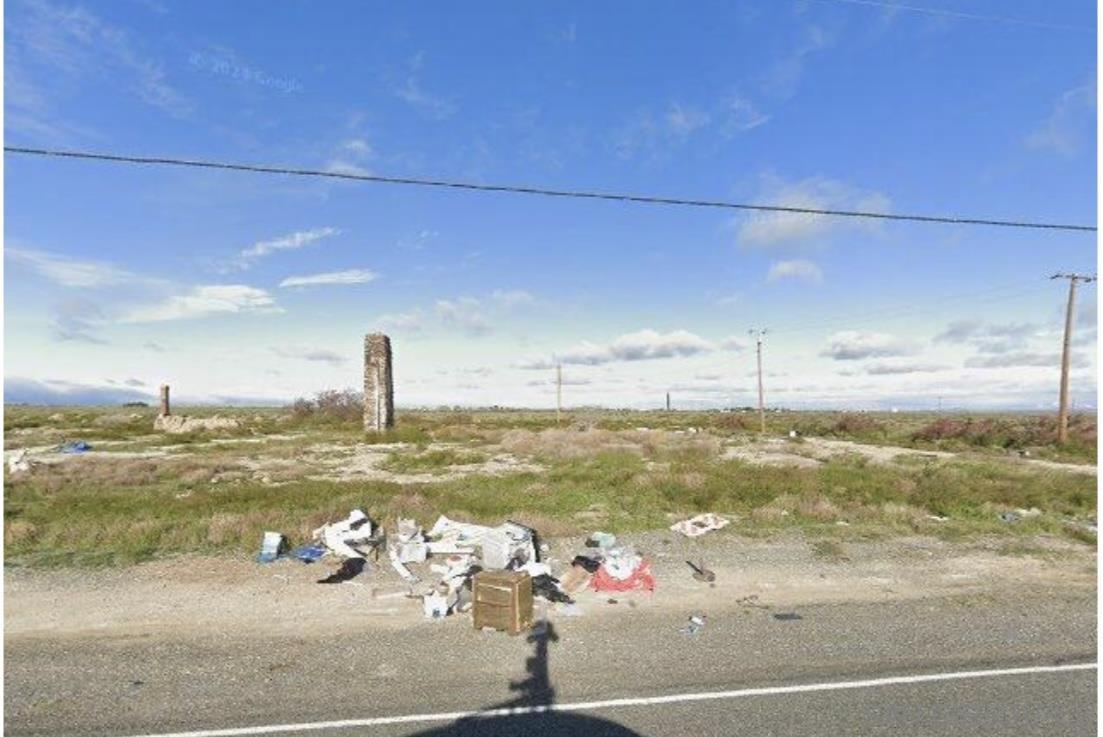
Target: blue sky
x=242, y=287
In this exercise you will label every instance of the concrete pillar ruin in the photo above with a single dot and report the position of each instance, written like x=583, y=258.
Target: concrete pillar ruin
x=164, y=412
x=378, y=383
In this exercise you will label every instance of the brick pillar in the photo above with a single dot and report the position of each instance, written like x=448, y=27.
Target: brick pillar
x=378, y=383
x=164, y=400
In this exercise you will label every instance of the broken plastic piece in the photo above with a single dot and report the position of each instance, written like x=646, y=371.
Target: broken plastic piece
x=75, y=446
x=435, y=605
x=272, y=546
x=696, y=624
x=309, y=553
x=401, y=569
x=699, y=525
x=603, y=540
x=339, y=537
x=19, y=462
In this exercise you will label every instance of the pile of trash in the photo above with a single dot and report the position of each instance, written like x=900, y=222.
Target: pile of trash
x=453, y=553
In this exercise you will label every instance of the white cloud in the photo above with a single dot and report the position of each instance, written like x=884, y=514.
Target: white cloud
x=343, y=166
x=311, y=354
x=512, y=297
x=799, y=269
x=782, y=78
x=1007, y=360
x=817, y=193
x=728, y=300
x=289, y=242
x=732, y=343
x=357, y=146
x=682, y=120
x=205, y=301
x=896, y=369
x=76, y=42
x=70, y=272
x=77, y=320
x=411, y=92
x=463, y=313
x=351, y=276
x=990, y=337
x=853, y=345
x=739, y=114
x=412, y=322
x=1069, y=125
x=641, y=345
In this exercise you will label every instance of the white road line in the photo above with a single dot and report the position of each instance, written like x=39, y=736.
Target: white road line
x=639, y=701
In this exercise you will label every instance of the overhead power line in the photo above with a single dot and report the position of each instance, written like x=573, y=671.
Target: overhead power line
x=577, y=194
x=965, y=16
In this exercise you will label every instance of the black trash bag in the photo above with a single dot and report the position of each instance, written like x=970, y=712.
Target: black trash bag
x=590, y=564
x=548, y=587
x=349, y=570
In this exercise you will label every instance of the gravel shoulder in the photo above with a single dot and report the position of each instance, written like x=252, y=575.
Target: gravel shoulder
x=192, y=596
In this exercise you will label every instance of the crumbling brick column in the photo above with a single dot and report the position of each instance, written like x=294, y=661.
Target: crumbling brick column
x=378, y=383
x=164, y=411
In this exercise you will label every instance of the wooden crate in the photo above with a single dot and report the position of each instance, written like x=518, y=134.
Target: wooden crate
x=503, y=601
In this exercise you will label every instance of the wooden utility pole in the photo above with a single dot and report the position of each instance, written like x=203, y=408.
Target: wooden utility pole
x=558, y=391
x=668, y=401
x=761, y=398
x=1063, y=403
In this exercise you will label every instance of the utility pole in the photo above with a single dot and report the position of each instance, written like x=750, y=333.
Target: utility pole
x=1063, y=404
x=761, y=398
x=558, y=391
x=668, y=401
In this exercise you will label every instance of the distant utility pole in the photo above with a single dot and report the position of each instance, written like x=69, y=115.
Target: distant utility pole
x=558, y=391
x=668, y=401
x=761, y=398
x=1063, y=405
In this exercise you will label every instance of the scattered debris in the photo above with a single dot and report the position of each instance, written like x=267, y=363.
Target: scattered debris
x=697, y=623
x=787, y=616
x=1028, y=513
x=623, y=570
x=509, y=542
x=74, y=446
x=548, y=587
x=19, y=462
x=937, y=518
x=349, y=570
x=590, y=565
x=309, y=553
x=341, y=537
x=751, y=602
x=603, y=540
x=272, y=547
x=700, y=524
x=436, y=605
x=575, y=579
x=1009, y=517
x=700, y=573
x=401, y=569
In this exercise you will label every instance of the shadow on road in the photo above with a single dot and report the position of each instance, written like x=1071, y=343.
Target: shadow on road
x=535, y=690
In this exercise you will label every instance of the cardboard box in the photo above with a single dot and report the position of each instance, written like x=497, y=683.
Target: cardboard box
x=503, y=601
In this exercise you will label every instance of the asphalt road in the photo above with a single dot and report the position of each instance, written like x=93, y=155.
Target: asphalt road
x=157, y=685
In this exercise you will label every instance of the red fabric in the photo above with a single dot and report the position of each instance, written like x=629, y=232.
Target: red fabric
x=641, y=578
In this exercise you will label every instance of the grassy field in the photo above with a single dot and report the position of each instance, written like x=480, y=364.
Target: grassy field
x=148, y=494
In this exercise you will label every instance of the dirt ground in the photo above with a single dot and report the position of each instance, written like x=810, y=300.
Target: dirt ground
x=193, y=595
x=812, y=452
